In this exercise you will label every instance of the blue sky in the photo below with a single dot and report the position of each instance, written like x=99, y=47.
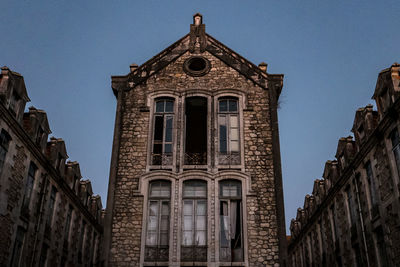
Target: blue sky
x=330, y=52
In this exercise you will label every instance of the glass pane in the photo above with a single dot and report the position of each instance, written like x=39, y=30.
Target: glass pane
x=188, y=223
x=187, y=238
x=187, y=207
x=158, y=128
x=164, y=239
x=201, y=189
x=201, y=207
x=168, y=129
x=165, y=190
x=234, y=146
x=165, y=208
x=234, y=134
x=200, y=238
x=222, y=139
x=223, y=106
x=230, y=188
x=160, y=106
x=157, y=149
x=168, y=148
x=234, y=121
x=169, y=106
x=164, y=223
x=224, y=224
x=152, y=223
x=151, y=239
x=232, y=105
x=201, y=222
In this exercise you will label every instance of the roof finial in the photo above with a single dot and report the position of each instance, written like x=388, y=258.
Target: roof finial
x=198, y=39
x=197, y=19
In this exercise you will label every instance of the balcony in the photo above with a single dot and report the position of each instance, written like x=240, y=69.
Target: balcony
x=163, y=159
x=232, y=158
x=195, y=158
x=156, y=253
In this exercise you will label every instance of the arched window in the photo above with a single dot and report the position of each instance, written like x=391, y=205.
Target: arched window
x=231, y=214
x=157, y=233
x=228, y=132
x=194, y=221
x=162, y=132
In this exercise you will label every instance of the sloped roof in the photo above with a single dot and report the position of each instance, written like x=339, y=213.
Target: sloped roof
x=185, y=44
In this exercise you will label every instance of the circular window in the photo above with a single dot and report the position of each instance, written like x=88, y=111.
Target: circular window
x=196, y=66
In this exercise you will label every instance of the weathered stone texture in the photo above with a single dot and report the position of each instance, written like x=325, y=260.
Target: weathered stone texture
x=133, y=143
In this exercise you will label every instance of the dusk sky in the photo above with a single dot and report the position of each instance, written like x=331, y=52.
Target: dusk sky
x=329, y=51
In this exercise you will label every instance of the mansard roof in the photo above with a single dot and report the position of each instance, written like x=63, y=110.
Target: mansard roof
x=388, y=79
x=140, y=74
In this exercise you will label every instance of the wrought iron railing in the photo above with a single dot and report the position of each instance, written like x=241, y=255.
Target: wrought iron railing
x=164, y=159
x=156, y=253
x=194, y=253
x=195, y=158
x=232, y=158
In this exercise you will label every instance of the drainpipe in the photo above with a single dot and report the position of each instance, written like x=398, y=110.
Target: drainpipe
x=361, y=220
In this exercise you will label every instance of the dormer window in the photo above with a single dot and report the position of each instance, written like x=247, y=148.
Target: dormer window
x=385, y=100
x=14, y=102
x=361, y=132
x=396, y=148
x=163, y=119
x=39, y=136
x=59, y=162
x=4, y=143
x=228, y=131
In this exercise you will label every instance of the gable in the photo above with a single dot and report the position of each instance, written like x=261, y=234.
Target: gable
x=198, y=43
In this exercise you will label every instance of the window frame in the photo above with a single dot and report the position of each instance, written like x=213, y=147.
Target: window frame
x=240, y=200
x=241, y=106
x=199, y=252
x=167, y=159
x=29, y=188
x=157, y=248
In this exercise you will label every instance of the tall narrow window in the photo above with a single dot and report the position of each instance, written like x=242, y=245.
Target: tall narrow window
x=52, y=201
x=81, y=241
x=194, y=228
x=372, y=189
x=196, y=131
x=43, y=255
x=28, y=188
x=157, y=234
x=18, y=246
x=228, y=125
x=4, y=142
x=396, y=148
x=162, y=132
x=351, y=206
x=68, y=223
x=231, y=238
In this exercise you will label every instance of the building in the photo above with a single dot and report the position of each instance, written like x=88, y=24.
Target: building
x=195, y=174
x=48, y=215
x=352, y=216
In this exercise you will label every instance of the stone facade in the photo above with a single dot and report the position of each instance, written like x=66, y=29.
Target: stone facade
x=196, y=73
x=48, y=215
x=352, y=216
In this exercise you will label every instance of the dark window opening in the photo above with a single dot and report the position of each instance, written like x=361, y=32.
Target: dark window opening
x=18, y=246
x=197, y=64
x=196, y=131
